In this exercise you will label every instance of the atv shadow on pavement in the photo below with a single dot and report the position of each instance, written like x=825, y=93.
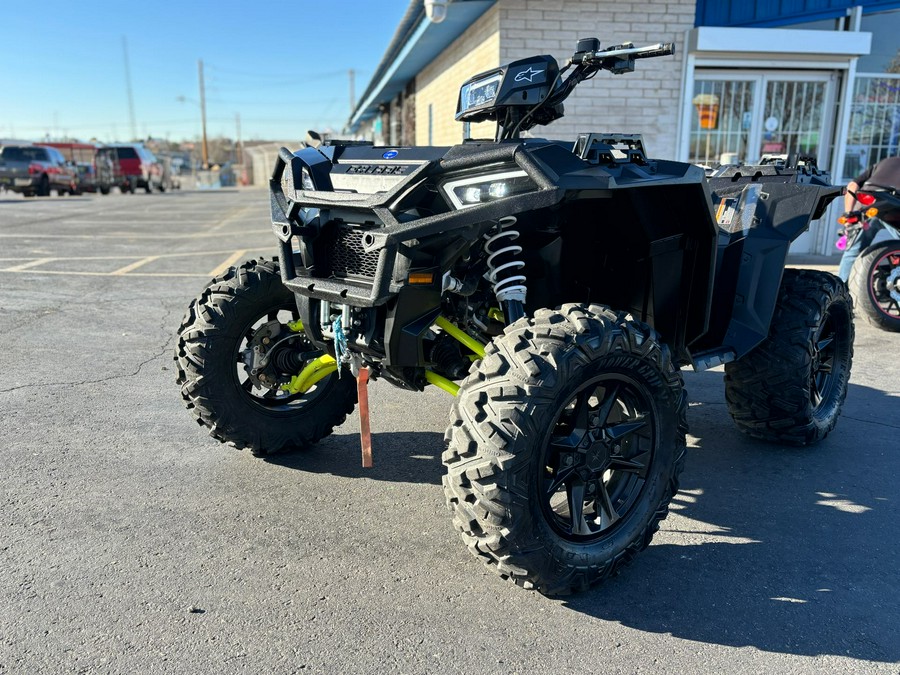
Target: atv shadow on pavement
x=788, y=550
x=784, y=549
x=401, y=457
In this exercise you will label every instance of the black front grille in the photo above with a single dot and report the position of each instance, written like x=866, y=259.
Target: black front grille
x=348, y=257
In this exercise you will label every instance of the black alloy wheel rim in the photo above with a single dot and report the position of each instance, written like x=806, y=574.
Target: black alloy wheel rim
x=823, y=374
x=884, y=285
x=273, y=398
x=597, y=457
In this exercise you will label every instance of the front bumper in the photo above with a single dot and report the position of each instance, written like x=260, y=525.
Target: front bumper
x=381, y=242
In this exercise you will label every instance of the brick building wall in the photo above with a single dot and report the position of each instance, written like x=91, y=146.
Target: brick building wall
x=645, y=101
x=437, y=85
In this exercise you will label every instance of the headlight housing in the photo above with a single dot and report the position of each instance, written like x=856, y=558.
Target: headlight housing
x=479, y=93
x=475, y=190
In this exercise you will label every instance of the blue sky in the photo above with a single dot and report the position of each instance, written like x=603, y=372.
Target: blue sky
x=283, y=67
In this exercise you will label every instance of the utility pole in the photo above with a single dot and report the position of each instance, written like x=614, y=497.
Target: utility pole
x=205, y=147
x=240, y=143
x=352, y=90
x=128, y=89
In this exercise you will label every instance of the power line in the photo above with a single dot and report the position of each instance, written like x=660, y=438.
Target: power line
x=203, y=114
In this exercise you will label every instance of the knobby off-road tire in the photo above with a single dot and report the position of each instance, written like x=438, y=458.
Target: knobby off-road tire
x=791, y=387
x=874, y=285
x=565, y=447
x=215, y=332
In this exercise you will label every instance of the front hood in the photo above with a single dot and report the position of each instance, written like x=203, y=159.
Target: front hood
x=365, y=169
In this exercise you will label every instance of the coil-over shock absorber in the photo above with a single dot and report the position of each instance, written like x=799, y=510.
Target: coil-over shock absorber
x=503, y=264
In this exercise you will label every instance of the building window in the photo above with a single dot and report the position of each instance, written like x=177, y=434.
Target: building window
x=742, y=117
x=874, y=131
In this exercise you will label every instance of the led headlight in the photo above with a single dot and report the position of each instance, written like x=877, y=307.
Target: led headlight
x=479, y=92
x=474, y=190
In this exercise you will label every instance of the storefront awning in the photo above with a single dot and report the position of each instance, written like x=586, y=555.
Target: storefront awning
x=417, y=42
x=780, y=42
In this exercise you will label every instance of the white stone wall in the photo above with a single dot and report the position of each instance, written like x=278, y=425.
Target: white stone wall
x=643, y=102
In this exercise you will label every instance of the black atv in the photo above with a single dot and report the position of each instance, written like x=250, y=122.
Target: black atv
x=554, y=291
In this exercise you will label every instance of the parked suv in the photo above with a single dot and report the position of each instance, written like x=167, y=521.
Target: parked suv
x=34, y=170
x=128, y=167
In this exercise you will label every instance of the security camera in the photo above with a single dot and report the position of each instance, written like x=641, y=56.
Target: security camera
x=436, y=10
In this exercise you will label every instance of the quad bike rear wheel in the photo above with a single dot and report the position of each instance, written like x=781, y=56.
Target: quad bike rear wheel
x=230, y=389
x=565, y=447
x=790, y=388
x=875, y=285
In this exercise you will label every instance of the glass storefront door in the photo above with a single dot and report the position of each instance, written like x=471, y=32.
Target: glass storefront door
x=740, y=116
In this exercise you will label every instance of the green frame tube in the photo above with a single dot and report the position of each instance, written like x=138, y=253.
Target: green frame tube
x=322, y=367
x=313, y=372
x=450, y=387
x=460, y=335
x=468, y=341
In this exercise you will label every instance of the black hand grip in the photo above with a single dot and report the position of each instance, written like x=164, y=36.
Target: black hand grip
x=665, y=49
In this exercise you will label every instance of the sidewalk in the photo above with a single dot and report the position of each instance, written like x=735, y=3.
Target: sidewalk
x=826, y=263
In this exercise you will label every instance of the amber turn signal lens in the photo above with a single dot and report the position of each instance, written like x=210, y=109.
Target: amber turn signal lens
x=421, y=277
x=871, y=213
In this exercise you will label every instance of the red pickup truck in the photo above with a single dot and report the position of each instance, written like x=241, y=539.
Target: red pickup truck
x=128, y=167
x=35, y=170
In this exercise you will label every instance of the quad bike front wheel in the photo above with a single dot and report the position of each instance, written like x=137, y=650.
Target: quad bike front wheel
x=875, y=285
x=565, y=447
x=238, y=346
x=790, y=388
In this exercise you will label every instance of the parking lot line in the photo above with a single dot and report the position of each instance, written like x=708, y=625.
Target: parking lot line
x=112, y=257
x=67, y=273
x=36, y=265
x=113, y=235
x=228, y=262
x=232, y=217
x=25, y=266
x=134, y=265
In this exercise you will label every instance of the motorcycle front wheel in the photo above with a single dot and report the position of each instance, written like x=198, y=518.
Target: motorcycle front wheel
x=874, y=284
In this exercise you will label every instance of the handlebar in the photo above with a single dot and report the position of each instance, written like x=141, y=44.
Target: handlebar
x=630, y=51
x=617, y=59
x=587, y=60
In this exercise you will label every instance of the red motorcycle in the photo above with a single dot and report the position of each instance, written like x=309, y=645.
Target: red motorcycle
x=874, y=280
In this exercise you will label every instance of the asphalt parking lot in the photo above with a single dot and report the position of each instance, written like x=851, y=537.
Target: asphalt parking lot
x=132, y=542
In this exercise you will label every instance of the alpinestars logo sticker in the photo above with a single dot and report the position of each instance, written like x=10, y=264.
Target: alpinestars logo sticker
x=527, y=75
